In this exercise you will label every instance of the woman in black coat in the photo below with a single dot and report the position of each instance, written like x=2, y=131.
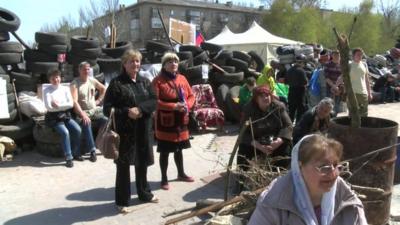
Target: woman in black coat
x=134, y=101
x=315, y=120
x=272, y=129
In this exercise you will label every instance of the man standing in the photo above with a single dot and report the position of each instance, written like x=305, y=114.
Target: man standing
x=296, y=78
x=332, y=72
x=360, y=82
x=86, y=106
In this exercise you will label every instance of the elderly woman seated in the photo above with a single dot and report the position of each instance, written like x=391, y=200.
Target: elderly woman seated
x=271, y=131
x=312, y=192
x=314, y=120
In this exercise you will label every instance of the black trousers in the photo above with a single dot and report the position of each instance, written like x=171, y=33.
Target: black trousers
x=297, y=101
x=123, y=183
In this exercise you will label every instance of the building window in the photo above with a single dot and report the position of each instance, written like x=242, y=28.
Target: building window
x=194, y=17
x=155, y=19
x=134, y=29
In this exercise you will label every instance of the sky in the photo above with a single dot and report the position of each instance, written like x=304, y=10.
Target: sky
x=34, y=14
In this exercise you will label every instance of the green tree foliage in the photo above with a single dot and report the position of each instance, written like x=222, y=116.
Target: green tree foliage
x=310, y=24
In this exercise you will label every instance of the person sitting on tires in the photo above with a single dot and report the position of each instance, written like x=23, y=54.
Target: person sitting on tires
x=58, y=101
x=246, y=91
x=86, y=106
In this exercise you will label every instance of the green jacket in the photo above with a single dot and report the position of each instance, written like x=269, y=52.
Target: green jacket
x=267, y=78
x=245, y=95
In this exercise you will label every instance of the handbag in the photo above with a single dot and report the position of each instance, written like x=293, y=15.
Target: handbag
x=107, y=140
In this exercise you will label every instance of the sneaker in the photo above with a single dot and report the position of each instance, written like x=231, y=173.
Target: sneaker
x=78, y=158
x=165, y=186
x=124, y=209
x=93, y=157
x=69, y=163
x=186, y=179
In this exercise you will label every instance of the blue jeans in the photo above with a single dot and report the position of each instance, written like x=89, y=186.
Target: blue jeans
x=70, y=132
x=87, y=131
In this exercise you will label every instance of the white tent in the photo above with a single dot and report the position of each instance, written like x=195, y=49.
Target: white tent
x=255, y=38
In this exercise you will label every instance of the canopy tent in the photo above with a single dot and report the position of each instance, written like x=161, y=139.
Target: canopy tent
x=255, y=38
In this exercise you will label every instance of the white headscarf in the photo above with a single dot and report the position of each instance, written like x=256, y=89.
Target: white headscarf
x=302, y=197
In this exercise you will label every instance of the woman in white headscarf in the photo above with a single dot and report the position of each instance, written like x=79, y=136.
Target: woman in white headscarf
x=312, y=193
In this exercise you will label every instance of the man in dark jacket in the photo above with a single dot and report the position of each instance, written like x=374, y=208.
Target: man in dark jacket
x=296, y=78
x=386, y=86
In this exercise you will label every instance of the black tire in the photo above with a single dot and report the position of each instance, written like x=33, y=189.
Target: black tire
x=251, y=73
x=100, y=77
x=41, y=67
x=212, y=48
x=185, y=55
x=11, y=47
x=13, y=115
x=49, y=149
x=17, y=130
x=11, y=106
x=76, y=59
x=38, y=56
x=192, y=48
x=194, y=73
x=8, y=20
x=258, y=60
x=231, y=106
x=10, y=58
x=200, y=58
x=24, y=82
x=90, y=53
x=224, y=55
x=158, y=47
x=229, y=78
x=4, y=36
x=10, y=97
x=242, y=56
x=109, y=65
x=183, y=66
x=53, y=49
x=240, y=65
x=5, y=77
x=220, y=97
x=229, y=69
x=81, y=42
x=118, y=51
x=51, y=38
x=46, y=134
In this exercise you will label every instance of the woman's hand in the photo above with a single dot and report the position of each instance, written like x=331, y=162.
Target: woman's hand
x=134, y=113
x=54, y=104
x=268, y=149
x=180, y=106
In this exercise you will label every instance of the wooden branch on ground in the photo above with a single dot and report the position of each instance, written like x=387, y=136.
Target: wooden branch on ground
x=210, y=208
x=344, y=49
x=235, y=148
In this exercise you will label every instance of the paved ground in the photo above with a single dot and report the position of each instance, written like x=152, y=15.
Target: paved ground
x=37, y=190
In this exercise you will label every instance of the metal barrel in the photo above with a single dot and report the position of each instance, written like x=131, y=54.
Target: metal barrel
x=378, y=171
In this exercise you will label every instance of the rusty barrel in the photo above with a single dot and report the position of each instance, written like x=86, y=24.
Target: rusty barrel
x=378, y=172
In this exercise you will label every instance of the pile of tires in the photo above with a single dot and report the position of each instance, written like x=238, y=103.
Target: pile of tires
x=88, y=50
x=286, y=54
x=10, y=57
x=155, y=50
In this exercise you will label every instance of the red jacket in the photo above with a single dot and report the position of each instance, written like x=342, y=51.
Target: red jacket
x=171, y=125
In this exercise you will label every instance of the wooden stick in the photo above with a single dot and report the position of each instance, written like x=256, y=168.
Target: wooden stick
x=235, y=148
x=210, y=208
x=215, y=66
x=88, y=32
x=165, y=29
x=344, y=49
x=16, y=100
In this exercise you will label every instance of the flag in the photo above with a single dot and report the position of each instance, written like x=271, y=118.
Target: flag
x=199, y=38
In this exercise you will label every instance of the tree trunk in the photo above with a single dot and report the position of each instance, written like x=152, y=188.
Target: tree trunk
x=344, y=49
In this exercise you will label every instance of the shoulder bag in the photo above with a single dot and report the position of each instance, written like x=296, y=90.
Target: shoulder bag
x=107, y=140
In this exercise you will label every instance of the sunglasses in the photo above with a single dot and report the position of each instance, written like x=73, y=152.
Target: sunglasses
x=326, y=169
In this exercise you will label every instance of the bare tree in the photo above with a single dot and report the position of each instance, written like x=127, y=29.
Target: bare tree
x=99, y=16
x=391, y=14
x=307, y=3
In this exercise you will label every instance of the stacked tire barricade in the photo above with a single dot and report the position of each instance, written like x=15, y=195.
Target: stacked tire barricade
x=28, y=67
x=18, y=128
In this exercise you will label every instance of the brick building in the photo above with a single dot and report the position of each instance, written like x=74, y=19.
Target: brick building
x=142, y=22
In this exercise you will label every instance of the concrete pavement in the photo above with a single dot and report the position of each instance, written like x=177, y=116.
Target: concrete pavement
x=38, y=190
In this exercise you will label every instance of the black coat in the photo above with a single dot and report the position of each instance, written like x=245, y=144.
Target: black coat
x=308, y=124
x=136, y=137
x=277, y=124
